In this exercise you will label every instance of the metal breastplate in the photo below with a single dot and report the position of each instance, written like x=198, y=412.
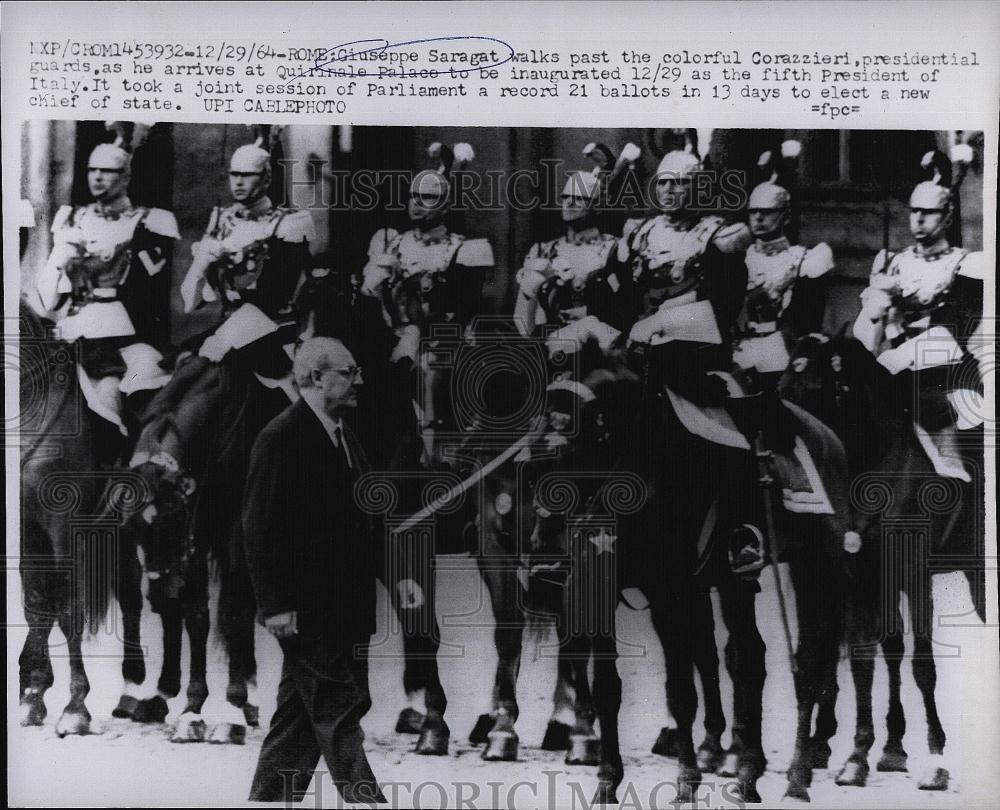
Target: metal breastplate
x=105, y=256
x=246, y=255
x=770, y=284
x=921, y=284
x=432, y=257
x=666, y=261
x=575, y=263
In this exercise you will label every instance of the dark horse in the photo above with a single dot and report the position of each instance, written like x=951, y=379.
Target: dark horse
x=193, y=448
x=477, y=387
x=71, y=552
x=653, y=514
x=893, y=484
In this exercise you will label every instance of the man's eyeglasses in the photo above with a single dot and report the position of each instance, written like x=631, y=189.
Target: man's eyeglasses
x=351, y=373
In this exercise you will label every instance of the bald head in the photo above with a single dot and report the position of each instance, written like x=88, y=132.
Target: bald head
x=325, y=371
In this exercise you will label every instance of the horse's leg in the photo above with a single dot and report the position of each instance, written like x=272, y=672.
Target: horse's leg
x=495, y=566
x=925, y=674
x=893, y=755
x=155, y=709
x=819, y=609
x=236, y=617
x=745, y=662
x=75, y=718
x=826, y=724
x=855, y=770
x=421, y=641
x=190, y=725
x=584, y=745
x=34, y=663
x=608, y=700
x=564, y=701
x=129, y=595
x=675, y=626
x=710, y=753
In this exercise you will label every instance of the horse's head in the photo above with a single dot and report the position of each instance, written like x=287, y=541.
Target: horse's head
x=161, y=520
x=325, y=302
x=836, y=379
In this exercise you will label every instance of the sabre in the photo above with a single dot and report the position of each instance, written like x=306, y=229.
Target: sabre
x=766, y=480
x=471, y=481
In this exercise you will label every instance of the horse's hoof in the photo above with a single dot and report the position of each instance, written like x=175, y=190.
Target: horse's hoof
x=190, y=728
x=746, y=780
x=33, y=711
x=556, y=736
x=730, y=766
x=584, y=749
x=126, y=708
x=151, y=710
x=410, y=721
x=819, y=751
x=795, y=792
x=746, y=790
x=710, y=755
x=480, y=731
x=227, y=734
x=609, y=777
x=606, y=793
x=666, y=743
x=433, y=741
x=853, y=774
x=251, y=714
x=73, y=722
x=688, y=780
x=892, y=761
x=936, y=778
x=501, y=746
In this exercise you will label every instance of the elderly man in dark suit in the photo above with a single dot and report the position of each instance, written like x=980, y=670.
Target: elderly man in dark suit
x=311, y=556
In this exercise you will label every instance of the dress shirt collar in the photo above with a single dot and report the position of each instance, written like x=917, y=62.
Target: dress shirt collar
x=331, y=426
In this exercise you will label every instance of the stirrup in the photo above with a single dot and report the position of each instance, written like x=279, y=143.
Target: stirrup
x=750, y=558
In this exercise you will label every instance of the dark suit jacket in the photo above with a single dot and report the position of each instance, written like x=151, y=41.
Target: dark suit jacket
x=309, y=547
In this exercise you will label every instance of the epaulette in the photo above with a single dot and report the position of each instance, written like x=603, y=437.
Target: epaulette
x=296, y=226
x=732, y=238
x=817, y=262
x=62, y=217
x=161, y=223
x=382, y=240
x=882, y=262
x=475, y=253
x=973, y=265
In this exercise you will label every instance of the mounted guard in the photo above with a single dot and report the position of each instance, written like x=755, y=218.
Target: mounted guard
x=101, y=280
x=250, y=261
x=786, y=283
x=561, y=278
x=921, y=315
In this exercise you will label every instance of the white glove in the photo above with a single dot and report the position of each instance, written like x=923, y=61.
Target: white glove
x=411, y=595
x=875, y=303
x=373, y=277
x=208, y=249
x=408, y=345
x=529, y=281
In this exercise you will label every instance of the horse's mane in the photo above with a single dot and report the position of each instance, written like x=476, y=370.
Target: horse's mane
x=177, y=415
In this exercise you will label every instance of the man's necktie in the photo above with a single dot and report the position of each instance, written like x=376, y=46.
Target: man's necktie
x=341, y=442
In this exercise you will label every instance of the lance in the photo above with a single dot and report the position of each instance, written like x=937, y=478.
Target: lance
x=472, y=480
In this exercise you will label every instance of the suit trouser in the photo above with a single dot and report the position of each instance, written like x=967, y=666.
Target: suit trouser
x=321, y=699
